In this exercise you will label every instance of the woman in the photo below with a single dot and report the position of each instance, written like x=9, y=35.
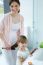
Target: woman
x=10, y=29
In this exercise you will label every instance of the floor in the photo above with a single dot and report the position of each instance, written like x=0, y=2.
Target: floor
x=3, y=60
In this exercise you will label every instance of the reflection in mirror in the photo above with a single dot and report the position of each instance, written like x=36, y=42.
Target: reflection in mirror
x=32, y=12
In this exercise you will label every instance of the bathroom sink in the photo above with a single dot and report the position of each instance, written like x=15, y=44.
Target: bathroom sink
x=36, y=59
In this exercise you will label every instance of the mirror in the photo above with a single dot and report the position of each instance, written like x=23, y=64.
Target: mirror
x=32, y=11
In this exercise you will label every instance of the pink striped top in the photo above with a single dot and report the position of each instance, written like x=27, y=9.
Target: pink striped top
x=6, y=24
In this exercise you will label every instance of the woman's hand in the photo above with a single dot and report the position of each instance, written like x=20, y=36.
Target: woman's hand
x=7, y=48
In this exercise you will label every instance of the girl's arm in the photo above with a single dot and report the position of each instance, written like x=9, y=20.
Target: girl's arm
x=33, y=51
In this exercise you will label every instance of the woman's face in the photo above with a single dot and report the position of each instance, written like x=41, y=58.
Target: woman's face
x=15, y=7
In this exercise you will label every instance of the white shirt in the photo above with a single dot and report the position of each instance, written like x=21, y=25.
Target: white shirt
x=23, y=54
x=12, y=36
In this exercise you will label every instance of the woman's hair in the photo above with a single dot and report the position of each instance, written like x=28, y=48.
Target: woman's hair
x=14, y=1
x=22, y=39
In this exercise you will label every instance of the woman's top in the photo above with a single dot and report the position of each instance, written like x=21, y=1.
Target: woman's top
x=12, y=36
x=9, y=26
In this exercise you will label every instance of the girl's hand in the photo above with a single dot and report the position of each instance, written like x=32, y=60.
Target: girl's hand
x=22, y=59
x=30, y=54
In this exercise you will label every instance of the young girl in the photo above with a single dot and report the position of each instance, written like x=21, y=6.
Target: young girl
x=23, y=51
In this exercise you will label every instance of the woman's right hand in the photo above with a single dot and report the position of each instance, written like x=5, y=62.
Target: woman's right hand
x=7, y=48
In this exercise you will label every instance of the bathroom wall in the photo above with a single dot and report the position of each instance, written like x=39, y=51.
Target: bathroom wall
x=38, y=21
x=27, y=12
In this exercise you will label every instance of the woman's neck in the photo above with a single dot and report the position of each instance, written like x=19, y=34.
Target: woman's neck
x=14, y=14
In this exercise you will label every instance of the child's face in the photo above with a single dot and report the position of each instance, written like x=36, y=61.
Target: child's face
x=22, y=45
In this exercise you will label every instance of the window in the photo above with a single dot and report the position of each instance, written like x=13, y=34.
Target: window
x=1, y=7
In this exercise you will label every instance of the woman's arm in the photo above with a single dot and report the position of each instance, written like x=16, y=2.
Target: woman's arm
x=21, y=30
x=1, y=29
x=22, y=26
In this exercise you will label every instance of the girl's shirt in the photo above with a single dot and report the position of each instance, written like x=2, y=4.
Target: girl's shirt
x=22, y=54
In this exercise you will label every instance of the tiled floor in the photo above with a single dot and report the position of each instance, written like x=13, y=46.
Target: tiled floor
x=7, y=58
